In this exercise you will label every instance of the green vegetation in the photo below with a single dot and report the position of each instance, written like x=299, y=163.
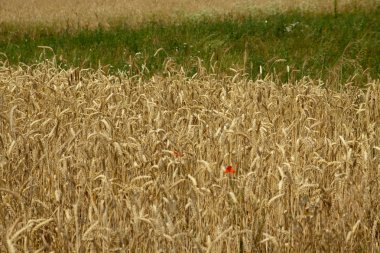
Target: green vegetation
x=316, y=45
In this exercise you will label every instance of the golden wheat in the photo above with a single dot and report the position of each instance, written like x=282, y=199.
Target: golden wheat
x=91, y=162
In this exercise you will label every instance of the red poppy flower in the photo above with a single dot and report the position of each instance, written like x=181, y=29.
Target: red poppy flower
x=177, y=154
x=229, y=169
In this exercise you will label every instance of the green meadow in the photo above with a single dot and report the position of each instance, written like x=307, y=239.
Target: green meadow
x=343, y=47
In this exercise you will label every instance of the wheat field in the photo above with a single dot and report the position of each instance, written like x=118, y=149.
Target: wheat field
x=94, y=13
x=93, y=162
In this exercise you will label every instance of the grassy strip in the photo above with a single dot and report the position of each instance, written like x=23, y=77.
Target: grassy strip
x=317, y=45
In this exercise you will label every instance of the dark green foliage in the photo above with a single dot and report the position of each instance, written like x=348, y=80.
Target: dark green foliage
x=318, y=45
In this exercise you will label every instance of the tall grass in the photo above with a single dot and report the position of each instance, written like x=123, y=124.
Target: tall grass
x=91, y=162
x=320, y=46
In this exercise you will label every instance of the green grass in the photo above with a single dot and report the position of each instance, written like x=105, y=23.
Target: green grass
x=316, y=45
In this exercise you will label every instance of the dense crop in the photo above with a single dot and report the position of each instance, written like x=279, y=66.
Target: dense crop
x=91, y=162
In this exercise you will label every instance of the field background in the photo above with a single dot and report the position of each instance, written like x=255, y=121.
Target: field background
x=283, y=39
x=89, y=13
x=118, y=120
